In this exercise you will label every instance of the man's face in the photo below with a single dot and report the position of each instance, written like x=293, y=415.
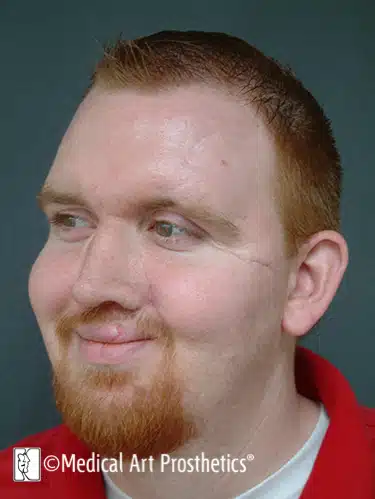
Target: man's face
x=208, y=294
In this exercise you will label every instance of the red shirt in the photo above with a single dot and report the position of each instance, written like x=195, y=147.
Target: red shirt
x=344, y=468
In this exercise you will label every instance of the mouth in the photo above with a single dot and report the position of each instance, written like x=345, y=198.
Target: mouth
x=98, y=352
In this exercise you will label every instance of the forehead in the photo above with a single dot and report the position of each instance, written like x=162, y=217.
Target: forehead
x=193, y=142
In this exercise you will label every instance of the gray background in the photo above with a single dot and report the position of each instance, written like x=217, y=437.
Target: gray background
x=48, y=50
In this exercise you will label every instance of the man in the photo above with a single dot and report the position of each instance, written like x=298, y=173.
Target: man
x=194, y=237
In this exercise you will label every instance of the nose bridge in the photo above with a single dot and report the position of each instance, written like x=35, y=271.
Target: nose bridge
x=111, y=262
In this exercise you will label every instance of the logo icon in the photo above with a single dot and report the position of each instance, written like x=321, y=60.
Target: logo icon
x=26, y=464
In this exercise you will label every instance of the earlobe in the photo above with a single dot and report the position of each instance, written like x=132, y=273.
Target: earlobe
x=314, y=281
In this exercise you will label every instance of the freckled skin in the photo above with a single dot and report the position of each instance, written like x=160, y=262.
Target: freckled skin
x=222, y=302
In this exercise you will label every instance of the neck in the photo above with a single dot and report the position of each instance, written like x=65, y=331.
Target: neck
x=272, y=424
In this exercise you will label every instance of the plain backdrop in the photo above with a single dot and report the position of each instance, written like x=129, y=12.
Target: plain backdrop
x=47, y=52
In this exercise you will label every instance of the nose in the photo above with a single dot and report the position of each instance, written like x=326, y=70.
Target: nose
x=112, y=269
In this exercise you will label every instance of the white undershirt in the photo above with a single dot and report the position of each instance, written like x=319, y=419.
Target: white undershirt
x=286, y=483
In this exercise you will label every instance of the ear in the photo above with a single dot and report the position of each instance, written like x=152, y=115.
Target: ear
x=313, y=281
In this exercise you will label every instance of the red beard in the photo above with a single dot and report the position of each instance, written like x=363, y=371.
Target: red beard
x=93, y=406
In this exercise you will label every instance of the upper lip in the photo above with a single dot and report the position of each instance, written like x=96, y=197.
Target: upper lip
x=110, y=333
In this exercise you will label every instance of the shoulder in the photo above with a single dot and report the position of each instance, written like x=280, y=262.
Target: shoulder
x=52, y=441
x=55, y=441
x=44, y=438
x=368, y=416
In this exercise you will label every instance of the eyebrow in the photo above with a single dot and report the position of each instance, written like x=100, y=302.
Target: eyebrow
x=48, y=195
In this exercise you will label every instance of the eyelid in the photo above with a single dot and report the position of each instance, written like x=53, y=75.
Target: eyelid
x=73, y=212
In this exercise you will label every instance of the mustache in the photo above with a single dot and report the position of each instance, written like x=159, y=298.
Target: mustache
x=146, y=326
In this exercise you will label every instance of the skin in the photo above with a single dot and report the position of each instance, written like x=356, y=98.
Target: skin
x=234, y=307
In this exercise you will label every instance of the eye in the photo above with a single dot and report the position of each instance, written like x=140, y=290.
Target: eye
x=174, y=236
x=64, y=220
x=166, y=229
x=69, y=227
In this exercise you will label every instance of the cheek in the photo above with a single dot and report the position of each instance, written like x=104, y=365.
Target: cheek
x=219, y=305
x=49, y=284
x=222, y=317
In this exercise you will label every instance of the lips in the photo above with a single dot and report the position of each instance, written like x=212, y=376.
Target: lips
x=110, y=343
x=110, y=333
